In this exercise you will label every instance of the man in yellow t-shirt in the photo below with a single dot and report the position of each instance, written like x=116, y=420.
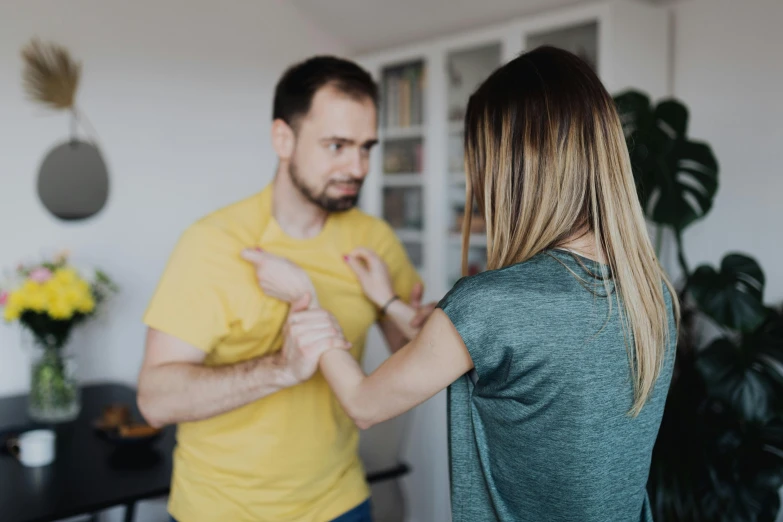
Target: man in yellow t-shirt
x=260, y=436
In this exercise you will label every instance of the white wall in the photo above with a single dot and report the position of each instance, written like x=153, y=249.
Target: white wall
x=727, y=70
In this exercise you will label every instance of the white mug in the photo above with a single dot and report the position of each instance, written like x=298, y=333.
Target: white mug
x=34, y=448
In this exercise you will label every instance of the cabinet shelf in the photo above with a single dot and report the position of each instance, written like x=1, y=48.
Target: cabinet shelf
x=409, y=235
x=398, y=133
x=475, y=240
x=402, y=180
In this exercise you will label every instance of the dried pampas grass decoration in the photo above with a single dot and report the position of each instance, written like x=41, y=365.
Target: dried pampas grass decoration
x=51, y=77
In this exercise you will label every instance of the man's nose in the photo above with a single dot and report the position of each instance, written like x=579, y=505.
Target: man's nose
x=358, y=165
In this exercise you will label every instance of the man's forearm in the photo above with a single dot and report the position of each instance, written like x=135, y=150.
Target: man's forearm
x=184, y=392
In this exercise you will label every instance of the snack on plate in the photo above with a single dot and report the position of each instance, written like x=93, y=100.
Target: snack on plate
x=115, y=415
x=137, y=430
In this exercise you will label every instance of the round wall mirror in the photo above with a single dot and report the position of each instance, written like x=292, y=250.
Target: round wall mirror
x=73, y=182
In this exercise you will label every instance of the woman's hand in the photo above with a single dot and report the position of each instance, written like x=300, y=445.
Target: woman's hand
x=308, y=333
x=372, y=274
x=280, y=278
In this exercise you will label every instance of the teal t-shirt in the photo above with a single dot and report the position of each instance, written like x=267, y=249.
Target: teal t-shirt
x=540, y=431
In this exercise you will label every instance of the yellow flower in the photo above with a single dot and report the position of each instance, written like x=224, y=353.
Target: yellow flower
x=14, y=306
x=36, y=300
x=16, y=300
x=52, y=289
x=66, y=276
x=60, y=309
x=11, y=313
x=85, y=304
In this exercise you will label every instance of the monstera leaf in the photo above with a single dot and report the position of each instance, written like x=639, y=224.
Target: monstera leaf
x=676, y=178
x=747, y=377
x=734, y=296
x=746, y=469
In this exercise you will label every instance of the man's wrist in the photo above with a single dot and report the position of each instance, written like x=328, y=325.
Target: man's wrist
x=282, y=376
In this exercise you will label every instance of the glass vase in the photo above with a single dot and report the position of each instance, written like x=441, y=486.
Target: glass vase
x=54, y=390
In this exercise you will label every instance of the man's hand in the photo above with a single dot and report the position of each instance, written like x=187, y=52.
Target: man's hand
x=422, y=312
x=280, y=278
x=308, y=334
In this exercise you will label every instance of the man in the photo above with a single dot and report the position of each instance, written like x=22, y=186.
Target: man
x=260, y=435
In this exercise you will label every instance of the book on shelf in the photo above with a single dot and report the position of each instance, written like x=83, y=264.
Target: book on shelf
x=404, y=155
x=403, y=96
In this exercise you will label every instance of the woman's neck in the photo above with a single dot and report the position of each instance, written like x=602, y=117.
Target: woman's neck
x=583, y=243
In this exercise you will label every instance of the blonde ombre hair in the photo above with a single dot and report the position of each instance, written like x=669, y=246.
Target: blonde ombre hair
x=546, y=161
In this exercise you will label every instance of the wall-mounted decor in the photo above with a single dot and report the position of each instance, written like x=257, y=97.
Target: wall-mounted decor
x=73, y=182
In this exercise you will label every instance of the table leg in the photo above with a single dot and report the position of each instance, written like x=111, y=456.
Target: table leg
x=130, y=510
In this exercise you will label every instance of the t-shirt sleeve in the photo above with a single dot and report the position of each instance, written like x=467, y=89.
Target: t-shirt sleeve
x=187, y=302
x=469, y=309
x=389, y=248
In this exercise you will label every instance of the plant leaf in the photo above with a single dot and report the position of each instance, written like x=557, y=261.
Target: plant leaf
x=739, y=377
x=672, y=115
x=676, y=179
x=734, y=296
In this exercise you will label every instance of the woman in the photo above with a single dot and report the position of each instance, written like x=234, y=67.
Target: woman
x=557, y=358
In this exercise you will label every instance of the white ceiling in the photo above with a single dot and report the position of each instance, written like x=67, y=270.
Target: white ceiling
x=369, y=25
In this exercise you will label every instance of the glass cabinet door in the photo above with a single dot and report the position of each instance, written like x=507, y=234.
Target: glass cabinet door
x=466, y=69
x=402, y=153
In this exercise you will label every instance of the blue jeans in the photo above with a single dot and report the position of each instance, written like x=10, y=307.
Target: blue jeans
x=361, y=513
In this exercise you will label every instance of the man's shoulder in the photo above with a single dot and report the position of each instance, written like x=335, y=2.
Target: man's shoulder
x=239, y=222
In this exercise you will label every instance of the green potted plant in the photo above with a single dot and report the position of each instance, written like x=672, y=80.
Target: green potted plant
x=719, y=452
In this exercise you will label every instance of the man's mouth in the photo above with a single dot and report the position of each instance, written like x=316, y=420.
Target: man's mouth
x=347, y=189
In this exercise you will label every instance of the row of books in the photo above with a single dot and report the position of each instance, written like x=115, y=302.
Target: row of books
x=403, y=95
x=403, y=208
x=403, y=156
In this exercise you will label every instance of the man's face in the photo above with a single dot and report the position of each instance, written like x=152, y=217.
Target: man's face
x=331, y=155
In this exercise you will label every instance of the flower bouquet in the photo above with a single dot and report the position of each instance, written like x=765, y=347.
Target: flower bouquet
x=48, y=299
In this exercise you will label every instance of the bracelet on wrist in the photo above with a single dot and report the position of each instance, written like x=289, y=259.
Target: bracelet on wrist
x=385, y=307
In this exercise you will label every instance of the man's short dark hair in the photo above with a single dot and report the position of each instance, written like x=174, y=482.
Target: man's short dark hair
x=295, y=91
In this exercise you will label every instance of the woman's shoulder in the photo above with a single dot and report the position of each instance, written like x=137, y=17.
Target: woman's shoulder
x=498, y=285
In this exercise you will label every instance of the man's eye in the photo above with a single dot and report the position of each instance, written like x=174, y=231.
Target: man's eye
x=335, y=147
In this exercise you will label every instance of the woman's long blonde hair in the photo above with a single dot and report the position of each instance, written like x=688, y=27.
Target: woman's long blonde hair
x=546, y=160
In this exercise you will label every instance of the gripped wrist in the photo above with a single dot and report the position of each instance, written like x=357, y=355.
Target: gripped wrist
x=282, y=374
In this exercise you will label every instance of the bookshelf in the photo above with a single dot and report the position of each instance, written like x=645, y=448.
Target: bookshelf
x=417, y=179
x=402, y=147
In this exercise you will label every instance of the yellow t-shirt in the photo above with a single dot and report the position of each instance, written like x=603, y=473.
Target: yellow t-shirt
x=291, y=455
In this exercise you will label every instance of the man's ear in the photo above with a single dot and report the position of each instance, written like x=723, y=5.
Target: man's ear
x=283, y=139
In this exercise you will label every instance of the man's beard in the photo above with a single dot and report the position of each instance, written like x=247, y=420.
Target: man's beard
x=327, y=203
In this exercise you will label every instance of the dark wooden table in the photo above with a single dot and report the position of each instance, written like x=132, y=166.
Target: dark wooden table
x=89, y=474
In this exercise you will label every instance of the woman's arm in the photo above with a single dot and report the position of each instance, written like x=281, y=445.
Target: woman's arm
x=432, y=361
x=373, y=275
